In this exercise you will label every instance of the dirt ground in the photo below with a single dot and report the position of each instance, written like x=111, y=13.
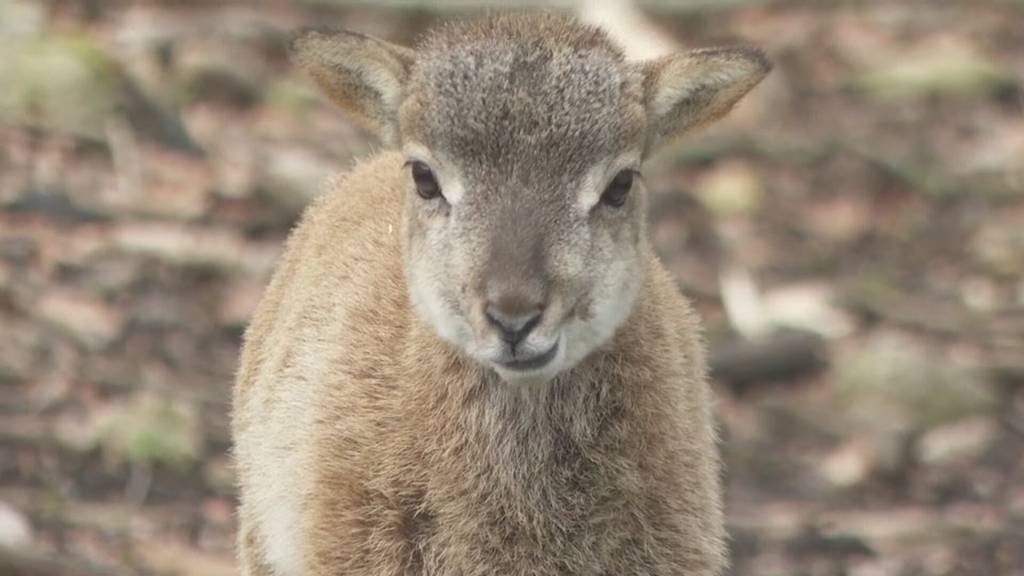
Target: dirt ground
x=853, y=236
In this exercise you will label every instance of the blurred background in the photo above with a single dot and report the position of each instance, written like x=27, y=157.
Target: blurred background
x=853, y=236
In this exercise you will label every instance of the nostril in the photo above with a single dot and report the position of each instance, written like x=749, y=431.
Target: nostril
x=514, y=327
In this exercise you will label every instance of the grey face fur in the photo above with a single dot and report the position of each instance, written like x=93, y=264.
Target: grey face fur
x=524, y=124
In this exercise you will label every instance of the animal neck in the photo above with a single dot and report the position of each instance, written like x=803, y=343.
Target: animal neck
x=470, y=411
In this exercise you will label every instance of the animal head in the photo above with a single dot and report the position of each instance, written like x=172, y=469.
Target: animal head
x=524, y=223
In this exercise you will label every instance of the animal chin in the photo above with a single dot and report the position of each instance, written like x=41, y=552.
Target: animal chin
x=532, y=362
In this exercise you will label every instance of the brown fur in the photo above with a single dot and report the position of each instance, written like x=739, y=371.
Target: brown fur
x=419, y=460
x=380, y=448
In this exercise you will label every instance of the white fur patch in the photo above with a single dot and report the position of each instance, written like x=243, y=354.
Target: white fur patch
x=445, y=172
x=274, y=492
x=614, y=297
x=425, y=293
x=600, y=175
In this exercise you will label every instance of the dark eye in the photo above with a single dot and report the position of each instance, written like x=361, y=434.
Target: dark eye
x=426, y=184
x=615, y=194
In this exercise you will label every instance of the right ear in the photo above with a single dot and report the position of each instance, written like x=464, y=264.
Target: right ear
x=685, y=91
x=363, y=75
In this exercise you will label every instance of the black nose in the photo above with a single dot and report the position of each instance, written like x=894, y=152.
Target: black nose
x=514, y=320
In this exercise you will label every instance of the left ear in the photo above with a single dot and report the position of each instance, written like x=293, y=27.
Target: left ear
x=363, y=75
x=683, y=92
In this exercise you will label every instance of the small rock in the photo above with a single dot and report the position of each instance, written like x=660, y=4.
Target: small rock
x=111, y=275
x=807, y=306
x=780, y=356
x=21, y=349
x=840, y=218
x=19, y=249
x=892, y=449
x=999, y=244
x=15, y=530
x=65, y=83
x=211, y=248
x=157, y=181
x=849, y=465
x=979, y=293
x=160, y=310
x=53, y=203
x=70, y=84
x=221, y=85
x=294, y=176
x=76, y=433
x=881, y=452
x=91, y=322
x=961, y=441
x=812, y=540
x=895, y=378
x=998, y=151
x=731, y=189
x=234, y=161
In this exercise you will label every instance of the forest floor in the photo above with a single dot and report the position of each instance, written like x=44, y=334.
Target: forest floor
x=853, y=237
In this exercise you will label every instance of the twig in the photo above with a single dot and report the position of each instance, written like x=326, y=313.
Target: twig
x=784, y=355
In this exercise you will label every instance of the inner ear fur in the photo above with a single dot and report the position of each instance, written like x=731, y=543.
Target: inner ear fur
x=363, y=75
x=685, y=91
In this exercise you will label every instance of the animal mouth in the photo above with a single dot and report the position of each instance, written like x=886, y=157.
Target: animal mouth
x=533, y=362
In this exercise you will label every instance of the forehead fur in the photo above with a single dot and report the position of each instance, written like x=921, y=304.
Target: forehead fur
x=535, y=91
x=536, y=29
